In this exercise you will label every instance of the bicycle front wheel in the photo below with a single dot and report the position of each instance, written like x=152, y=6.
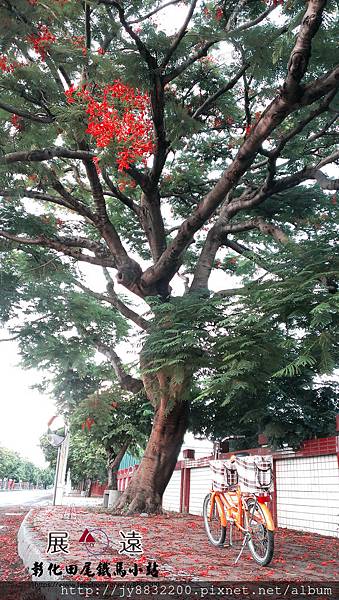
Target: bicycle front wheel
x=261, y=543
x=216, y=532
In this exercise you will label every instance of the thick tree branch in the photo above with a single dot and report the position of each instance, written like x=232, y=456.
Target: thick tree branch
x=115, y=462
x=250, y=200
x=119, y=195
x=325, y=182
x=67, y=246
x=285, y=183
x=129, y=271
x=152, y=223
x=24, y=193
x=114, y=300
x=26, y=114
x=217, y=236
x=320, y=87
x=127, y=382
x=43, y=154
x=140, y=178
x=72, y=202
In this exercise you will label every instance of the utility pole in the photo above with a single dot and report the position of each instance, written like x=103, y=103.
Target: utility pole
x=61, y=441
x=60, y=471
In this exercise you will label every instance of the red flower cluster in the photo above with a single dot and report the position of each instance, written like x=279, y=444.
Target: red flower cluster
x=87, y=424
x=248, y=130
x=219, y=14
x=275, y=2
x=118, y=114
x=17, y=122
x=79, y=42
x=96, y=159
x=5, y=66
x=125, y=182
x=42, y=41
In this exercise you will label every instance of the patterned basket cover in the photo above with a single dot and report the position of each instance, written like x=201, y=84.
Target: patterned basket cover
x=255, y=473
x=218, y=475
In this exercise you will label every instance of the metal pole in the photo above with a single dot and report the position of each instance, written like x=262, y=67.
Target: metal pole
x=56, y=477
x=61, y=475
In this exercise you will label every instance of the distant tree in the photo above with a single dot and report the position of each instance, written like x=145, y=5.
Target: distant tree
x=10, y=464
x=46, y=477
x=50, y=452
x=103, y=426
x=113, y=422
x=86, y=458
x=13, y=466
x=288, y=411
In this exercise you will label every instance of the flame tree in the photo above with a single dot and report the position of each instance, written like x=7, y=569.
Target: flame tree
x=166, y=156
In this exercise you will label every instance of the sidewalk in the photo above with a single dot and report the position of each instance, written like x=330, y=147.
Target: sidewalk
x=11, y=567
x=177, y=543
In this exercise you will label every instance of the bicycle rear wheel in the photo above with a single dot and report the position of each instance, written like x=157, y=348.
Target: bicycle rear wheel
x=216, y=532
x=261, y=543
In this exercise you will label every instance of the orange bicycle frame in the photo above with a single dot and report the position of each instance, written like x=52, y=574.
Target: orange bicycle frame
x=228, y=508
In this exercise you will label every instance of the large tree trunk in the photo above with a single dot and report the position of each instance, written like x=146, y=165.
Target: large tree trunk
x=145, y=490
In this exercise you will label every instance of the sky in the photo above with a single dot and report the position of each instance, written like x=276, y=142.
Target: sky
x=24, y=412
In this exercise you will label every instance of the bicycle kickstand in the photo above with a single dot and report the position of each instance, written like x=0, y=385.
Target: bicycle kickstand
x=246, y=538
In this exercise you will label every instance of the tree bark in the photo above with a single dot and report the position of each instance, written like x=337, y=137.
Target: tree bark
x=145, y=490
x=112, y=481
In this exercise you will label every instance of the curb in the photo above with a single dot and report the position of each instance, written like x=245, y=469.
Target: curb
x=29, y=552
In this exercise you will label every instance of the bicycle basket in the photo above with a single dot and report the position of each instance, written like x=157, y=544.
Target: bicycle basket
x=264, y=474
x=218, y=475
x=255, y=473
x=231, y=474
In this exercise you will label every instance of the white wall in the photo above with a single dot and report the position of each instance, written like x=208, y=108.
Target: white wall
x=200, y=486
x=171, y=497
x=308, y=494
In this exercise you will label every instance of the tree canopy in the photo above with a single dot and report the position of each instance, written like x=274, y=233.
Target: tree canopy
x=189, y=158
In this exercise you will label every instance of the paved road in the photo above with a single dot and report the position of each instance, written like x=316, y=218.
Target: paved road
x=26, y=498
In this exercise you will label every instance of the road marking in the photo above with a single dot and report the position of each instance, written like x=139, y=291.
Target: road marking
x=16, y=514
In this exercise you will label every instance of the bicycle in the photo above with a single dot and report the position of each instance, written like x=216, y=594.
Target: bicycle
x=247, y=512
